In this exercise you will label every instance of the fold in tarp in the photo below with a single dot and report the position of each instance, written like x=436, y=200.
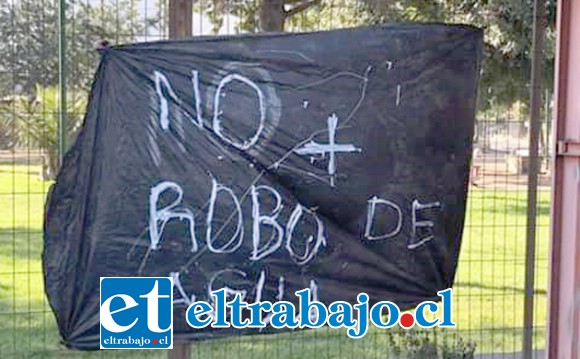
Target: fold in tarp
x=337, y=161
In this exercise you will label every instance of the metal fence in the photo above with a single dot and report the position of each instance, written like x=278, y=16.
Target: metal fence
x=45, y=67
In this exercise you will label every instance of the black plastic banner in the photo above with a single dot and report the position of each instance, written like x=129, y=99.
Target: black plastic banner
x=336, y=161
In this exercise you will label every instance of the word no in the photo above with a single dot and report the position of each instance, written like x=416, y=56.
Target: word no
x=162, y=82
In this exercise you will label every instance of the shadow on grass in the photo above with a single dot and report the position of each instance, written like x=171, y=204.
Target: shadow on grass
x=7, y=168
x=508, y=202
x=501, y=288
x=32, y=333
x=21, y=243
x=542, y=209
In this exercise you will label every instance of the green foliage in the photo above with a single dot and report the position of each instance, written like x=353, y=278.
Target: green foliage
x=29, y=63
x=331, y=14
x=29, y=46
x=218, y=10
x=508, y=31
x=421, y=344
x=7, y=132
x=507, y=25
x=35, y=119
x=251, y=13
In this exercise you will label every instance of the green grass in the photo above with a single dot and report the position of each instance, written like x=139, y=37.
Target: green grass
x=488, y=291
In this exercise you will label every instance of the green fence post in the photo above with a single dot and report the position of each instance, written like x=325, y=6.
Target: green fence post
x=62, y=115
x=533, y=169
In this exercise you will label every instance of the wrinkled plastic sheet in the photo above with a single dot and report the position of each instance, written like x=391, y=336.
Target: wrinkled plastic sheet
x=336, y=161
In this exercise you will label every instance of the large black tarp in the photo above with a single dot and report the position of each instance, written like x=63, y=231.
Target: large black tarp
x=268, y=163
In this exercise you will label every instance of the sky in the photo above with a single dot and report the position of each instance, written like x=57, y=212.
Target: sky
x=201, y=22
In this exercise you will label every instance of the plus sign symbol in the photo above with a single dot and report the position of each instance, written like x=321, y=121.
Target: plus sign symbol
x=332, y=148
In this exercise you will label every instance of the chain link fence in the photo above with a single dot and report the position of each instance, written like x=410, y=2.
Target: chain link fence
x=490, y=283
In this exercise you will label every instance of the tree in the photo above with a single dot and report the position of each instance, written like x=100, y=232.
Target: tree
x=8, y=136
x=29, y=65
x=35, y=121
x=29, y=47
x=256, y=15
x=507, y=26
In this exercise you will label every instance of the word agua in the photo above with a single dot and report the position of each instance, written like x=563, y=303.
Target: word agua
x=314, y=314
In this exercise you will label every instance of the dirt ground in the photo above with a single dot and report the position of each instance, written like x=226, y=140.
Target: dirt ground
x=494, y=173
x=32, y=157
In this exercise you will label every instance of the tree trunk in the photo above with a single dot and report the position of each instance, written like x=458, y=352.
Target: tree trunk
x=180, y=26
x=49, y=167
x=180, y=18
x=272, y=16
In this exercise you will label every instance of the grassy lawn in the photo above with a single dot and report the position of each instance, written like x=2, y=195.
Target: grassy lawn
x=489, y=287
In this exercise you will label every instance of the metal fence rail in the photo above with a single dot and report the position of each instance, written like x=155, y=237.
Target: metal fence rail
x=47, y=63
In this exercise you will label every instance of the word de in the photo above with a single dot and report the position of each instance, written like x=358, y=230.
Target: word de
x=417, y=223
